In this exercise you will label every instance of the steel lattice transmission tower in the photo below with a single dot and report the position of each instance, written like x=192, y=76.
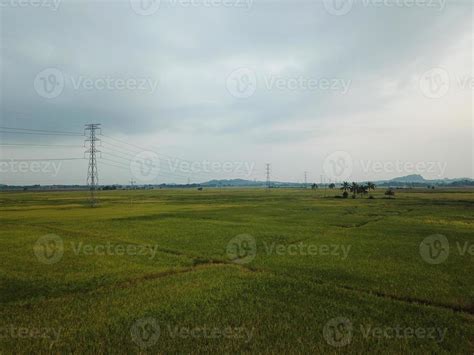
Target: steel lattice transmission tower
x=268, y=175
x=90, y=131
x=305, y=179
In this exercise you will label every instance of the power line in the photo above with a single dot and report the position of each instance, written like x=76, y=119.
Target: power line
x=39, y=133
x=41, y=145
x=115, y=166
x=42, y=130
x=46, y=159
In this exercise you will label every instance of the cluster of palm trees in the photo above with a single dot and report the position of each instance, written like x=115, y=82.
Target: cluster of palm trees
x=356, y=189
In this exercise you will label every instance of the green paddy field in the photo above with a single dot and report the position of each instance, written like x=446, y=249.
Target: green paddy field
x=237, y=271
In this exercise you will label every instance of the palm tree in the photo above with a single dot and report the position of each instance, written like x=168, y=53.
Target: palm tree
x=345, y=186
x=332, y=186
x=354, y=189
x=370, y=186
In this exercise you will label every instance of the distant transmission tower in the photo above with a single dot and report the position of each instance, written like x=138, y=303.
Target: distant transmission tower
x=305, y=179
x=90, y=132
x=268, y=175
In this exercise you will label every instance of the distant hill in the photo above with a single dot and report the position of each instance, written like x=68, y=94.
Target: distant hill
x=414, y=178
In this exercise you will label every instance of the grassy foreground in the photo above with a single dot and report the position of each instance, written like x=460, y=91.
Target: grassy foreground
x=228, y=270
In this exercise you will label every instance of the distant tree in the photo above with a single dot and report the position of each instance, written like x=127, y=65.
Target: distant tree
x=370, y=186
x=362, y=190
x=345, y=186
x=332, y=186
x=354, y=189
x=390, y=192
x=314, y=186
x=345, y=194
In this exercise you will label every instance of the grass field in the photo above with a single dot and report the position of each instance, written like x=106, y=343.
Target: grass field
x=165, y=271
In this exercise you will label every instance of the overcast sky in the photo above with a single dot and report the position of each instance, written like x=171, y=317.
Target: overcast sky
x=345, y=90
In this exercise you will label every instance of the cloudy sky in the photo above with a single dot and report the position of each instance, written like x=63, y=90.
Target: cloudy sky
x=202, y=89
